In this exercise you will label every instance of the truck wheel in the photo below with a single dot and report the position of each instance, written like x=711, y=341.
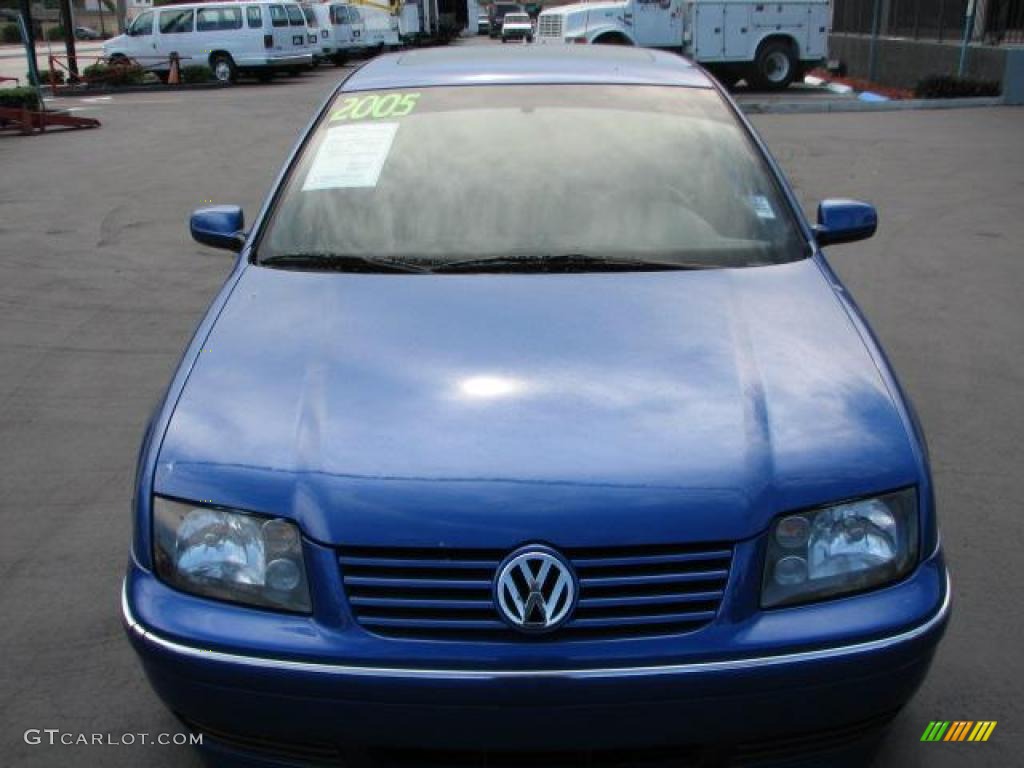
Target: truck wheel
x=774, y=67
x=223, y=68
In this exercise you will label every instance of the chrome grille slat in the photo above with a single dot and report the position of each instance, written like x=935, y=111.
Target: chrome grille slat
x=656, y=578
x=673, y=598
x=408, y=583
x=396, y=562
x=447, y=594
x=425, y=603
x=682, y=557
x=668, y=618
x=549, y=25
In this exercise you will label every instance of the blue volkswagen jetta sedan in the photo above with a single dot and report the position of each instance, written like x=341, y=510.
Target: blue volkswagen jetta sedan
x=579, y=447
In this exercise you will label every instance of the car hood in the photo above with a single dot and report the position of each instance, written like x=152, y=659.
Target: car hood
x=575, y=409
x=114, y=42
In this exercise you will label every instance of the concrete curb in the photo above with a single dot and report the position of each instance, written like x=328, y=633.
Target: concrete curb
x=821, y=106
x=151, y=88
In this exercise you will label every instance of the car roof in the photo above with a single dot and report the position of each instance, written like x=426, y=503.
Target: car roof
x=530, y=65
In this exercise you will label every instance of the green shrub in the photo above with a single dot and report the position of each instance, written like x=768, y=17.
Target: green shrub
x=97, y=71
x=951, y=87
x=126, y=74
x=9, y=33
x=19, y=97
x=55, y=33
x=115, y=74
x=44, y=76
x=196, y=73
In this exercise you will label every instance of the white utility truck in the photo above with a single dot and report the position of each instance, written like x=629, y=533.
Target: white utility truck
x=767, y=44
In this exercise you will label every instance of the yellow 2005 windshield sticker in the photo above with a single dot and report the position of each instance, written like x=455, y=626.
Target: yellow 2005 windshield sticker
x=375, y=106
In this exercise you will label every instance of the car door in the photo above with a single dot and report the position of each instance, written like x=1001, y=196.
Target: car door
x=281, y=29
x=658, y=22
x=299, y=31
x=341, y=27
x=357, y=25
x=217, y=28
x=176, y=35
x=140, y=41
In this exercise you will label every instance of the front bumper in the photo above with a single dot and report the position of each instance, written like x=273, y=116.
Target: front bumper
x=339, y=696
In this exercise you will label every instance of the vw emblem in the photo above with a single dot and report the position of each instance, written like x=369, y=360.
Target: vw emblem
x=535, y=590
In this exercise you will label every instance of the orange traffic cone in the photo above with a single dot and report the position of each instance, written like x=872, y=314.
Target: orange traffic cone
x=174, y=77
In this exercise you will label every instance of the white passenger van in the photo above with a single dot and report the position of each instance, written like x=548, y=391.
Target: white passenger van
x=362, y=29
x=318, y=16
x=250, y=37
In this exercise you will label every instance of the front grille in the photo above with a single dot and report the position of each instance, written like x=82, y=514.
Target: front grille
x=549, y=25
x=447, y=593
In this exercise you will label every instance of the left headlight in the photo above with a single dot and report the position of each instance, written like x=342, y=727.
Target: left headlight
x=230, y=555
x=840, y=549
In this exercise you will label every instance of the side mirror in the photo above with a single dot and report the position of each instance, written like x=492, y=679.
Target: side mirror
x=844, y=221
x=219, y=226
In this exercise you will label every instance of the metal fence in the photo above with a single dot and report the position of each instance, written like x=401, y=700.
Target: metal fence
x=997, y=21
x=1004, y=21
x=917, y=19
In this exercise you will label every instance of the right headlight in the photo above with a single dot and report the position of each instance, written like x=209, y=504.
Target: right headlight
x=840, y=549
x=230, y=555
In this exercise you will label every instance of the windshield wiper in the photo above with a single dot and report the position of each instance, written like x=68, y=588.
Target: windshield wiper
x=566, y=262
x=340, y=262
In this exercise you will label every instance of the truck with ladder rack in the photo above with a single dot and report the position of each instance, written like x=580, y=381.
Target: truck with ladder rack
x=768, y=44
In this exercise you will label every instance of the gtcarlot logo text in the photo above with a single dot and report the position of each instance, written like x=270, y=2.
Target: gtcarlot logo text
x=57, y=737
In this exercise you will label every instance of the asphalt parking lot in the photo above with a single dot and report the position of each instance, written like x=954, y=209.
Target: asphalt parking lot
x=100, y=288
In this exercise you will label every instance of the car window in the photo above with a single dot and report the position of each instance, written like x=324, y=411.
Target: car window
x=295, y=16
x=310, y=16
x=338, y=14
x=640, y=172
x=254, y=17
x=209, y=19
x=277, y=16
x=176, y=21
x=143, y=24
x=354, y=16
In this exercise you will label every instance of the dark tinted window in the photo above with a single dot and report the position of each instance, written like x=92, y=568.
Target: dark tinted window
x=338, y=15
x=176, y=21
x=295, y=16
x=210, y=19
x=640, y=172
x=310, y=16
x=254, y=17
x=277, y=16
x=143, y=25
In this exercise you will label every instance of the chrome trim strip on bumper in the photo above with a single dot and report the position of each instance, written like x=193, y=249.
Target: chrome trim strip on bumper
x=575, y=674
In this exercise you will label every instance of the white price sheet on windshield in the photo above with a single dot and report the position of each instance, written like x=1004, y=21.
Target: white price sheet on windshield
x=351, y=156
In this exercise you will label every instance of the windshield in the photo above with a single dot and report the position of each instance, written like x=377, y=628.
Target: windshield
x=449, y=174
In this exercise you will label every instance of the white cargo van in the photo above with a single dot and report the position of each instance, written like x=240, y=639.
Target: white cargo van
x=362, y=29
x=768, y=44
x=253, y=37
